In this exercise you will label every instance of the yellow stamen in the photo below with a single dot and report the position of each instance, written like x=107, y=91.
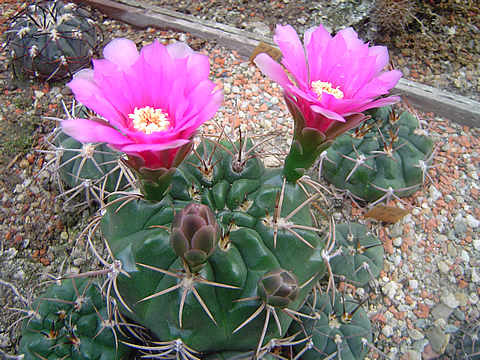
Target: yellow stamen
x=321, y=87
x=150, y=120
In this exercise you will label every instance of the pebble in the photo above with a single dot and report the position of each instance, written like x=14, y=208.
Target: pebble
x=438, y=339
x=459, y=314
x=441, y=311
x=449, y=300
x=434, y=193
x=443, y=267
x=415, y=334
x=413, y=284
x=24, y=163
x=475, y=276
x=412, y=355
x=473, y=298
x=398, y=241
x=390, y=289
x=476, y=244
x=387, y=330
x=472, y=222
x=419, y=345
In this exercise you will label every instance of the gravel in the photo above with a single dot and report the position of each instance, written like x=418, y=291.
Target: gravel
x=428, y=293
x=433, y=42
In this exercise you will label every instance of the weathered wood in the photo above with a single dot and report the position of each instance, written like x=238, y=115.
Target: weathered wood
x=141, y=15
x=454, y=107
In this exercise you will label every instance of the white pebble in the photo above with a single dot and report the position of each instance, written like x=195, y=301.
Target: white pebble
x=476, y=244
x=475, y=276
x=390, y=289
x=413, y=284
x=449, y=300
x=398, y=241
x=472, y=222
x=387, y=330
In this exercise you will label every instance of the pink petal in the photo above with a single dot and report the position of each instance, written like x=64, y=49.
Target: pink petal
x=85, y=74
x=379, y=103
x=272, y=69
x=110, y=79
x=327, y=113
x=122, y=52
x=316, y=40
x=179, y=50
x=379, y=85
x=134, y=147
x=381, y=54
x=92, y=96
x=91, y=131
x=293, y=53
x=351, y=38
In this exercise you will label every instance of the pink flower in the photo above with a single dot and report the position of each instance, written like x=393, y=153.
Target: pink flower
x=151, y=102
x=334, y=78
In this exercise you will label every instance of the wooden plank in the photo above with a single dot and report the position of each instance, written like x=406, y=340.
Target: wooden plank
x=455, y=107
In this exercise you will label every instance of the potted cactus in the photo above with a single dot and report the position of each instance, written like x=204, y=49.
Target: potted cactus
x=211, y=254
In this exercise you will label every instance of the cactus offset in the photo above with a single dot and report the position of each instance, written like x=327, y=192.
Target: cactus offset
x=339, y=327
x=51, y=40
x=71, y=320
x=388, y=153
x=360, y=254
x=92, y=170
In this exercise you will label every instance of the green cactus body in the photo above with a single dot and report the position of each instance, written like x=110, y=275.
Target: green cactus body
x=243, y=200
x=70, y=322
x=360, y=258
x=340, y=327
x=400, y=170
x=95, y=163
x=51, y=39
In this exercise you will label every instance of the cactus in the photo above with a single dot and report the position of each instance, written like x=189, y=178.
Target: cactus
x=471, y=342
x=210, y=254
x=259, y=235
x=387, y=154
x=93, y=169
x=71, y=320
x=339, y=327
x=51, y=40
x=359, y=254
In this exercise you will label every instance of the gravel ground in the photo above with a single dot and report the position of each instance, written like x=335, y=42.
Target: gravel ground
x=436, y=43
x=427, y=296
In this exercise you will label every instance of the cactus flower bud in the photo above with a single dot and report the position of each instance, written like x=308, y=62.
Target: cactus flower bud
x=195, y=234
x=278, y=288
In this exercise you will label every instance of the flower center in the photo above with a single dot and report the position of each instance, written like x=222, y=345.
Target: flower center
x=321, y=87
x=150, y=120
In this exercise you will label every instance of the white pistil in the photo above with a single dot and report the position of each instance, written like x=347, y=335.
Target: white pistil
x=321, y=87
x=148, y=120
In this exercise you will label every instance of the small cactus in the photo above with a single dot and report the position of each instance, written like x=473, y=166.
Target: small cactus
x=51, y=40
x=94, y=170
x=388, y=154
x=71, y=320
x=339, y=328
x=360, y=254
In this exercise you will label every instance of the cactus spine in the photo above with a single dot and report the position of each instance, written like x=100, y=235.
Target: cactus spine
x=52, y=39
